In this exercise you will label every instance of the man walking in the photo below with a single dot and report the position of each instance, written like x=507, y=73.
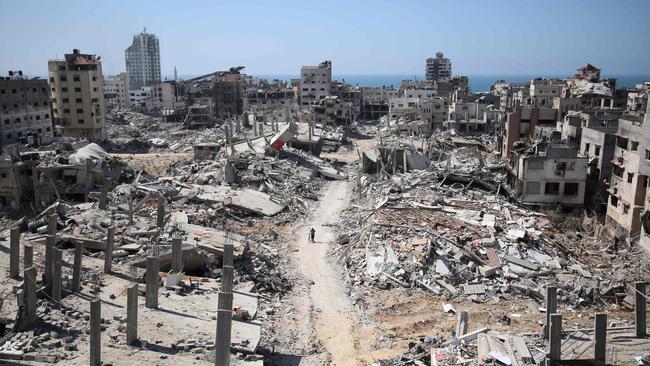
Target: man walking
x=312, y=233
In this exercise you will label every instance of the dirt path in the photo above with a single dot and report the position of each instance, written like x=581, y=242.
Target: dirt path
x=333, y=314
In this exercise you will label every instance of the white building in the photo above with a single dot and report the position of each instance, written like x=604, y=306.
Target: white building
x=432, y=110
x=143, y=60
x=315, y=83
x=557, y=177
x=140, y=97
x=116, y=90
x=438, y=68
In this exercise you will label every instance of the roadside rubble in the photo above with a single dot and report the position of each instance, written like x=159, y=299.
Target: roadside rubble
x=203, y=203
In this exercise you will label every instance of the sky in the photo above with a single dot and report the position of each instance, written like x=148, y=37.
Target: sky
x=500, y=37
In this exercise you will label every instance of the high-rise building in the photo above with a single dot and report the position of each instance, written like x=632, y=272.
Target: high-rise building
x=438, y=68
x=24, y=109
x=78, y=95
x=116, y=90
x=143, y=60
x=315, y=83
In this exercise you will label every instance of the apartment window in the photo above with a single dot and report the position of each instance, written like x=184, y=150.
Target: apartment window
x=596, y=150
x=48, y=129
x=17, y=120
x=77, y=90
x=571, y=189
x=66, y=110
x=7, y=121
x=38, y=117
x=66, y=100
x=75, y=78
x=634, y=145
x=51, y=79
x=65, y=90
x=63, y=78
x=13, y=91
x=80, y=110
x=53, y=89
x=614, y=201
x=647, y=154
x=78, y=100
x=533, y=187
x=94, y=78
x=47, y=115
x=626, y=208
x=630, y=177
x=587, y=146
x=552, y=188
x=81, y=121
x=61, y=68
x=9, y=135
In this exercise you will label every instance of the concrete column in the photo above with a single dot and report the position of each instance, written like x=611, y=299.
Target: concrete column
x=130, y=208
x=49, y=248
x=108, y=253
x=226, y=131
x=600, y=339
x=224, y=309
x=551, y=308
x=103, y=198
x=640, y=310
x=132, y=315
x=161, y=212
x=14, y=252
x=30, y=293
x=57, y=266
x=555, y=333
x=222, y=344
x=95, y=332
x=152, y=281
x=76, y=269
x=177, y=255
x=461, y=325
x=227, y=278
x=228, y=254
x=29, y=255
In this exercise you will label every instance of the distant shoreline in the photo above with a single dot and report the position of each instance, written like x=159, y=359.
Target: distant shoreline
x=478, y=83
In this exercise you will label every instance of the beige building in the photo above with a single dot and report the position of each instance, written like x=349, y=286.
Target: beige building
x=116, y=90
x=24, y=109
x=78, y=96
x=315, y=83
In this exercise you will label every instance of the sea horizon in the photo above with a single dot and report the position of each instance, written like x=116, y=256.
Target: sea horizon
x=477, y=82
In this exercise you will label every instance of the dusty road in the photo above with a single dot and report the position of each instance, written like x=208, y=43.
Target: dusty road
x=333, y=318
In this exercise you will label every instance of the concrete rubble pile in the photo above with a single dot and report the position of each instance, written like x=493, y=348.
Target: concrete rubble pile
x=446, y=229
x=238, y=198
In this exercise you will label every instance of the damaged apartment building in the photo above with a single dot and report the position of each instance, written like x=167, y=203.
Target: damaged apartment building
x=219, y=94
x=25, y=115
x=583, y=114
x=35, y=178
x=78, y=96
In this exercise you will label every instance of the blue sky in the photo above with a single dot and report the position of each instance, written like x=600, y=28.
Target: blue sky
x=360, y=37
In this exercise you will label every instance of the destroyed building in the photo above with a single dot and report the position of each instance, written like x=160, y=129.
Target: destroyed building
x=39, y=178
x=553, y=174
x=25, y=114
x=332, y=111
